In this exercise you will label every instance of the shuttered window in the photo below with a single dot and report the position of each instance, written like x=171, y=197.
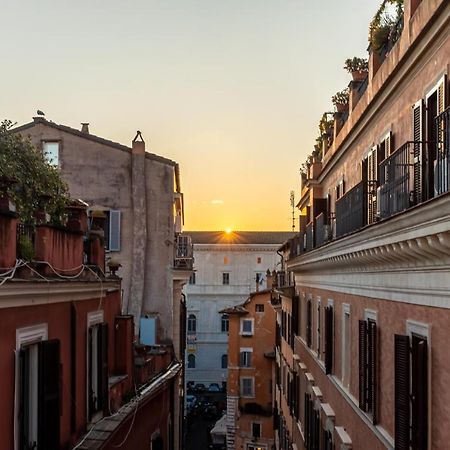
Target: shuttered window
x=39, y=396
x=295, y=315
x=418, y=151
x=245, y=358
x=411, y=393
x=114, y=230
x=309, y=323
x=368, y=367
x=97, y=369
x=372, y=184
x=328, y=339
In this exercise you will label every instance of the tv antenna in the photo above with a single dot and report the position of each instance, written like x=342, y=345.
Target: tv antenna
x=293, y=209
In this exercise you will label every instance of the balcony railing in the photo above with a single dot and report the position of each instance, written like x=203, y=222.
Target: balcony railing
x=351, y=211
x=441, y=173
x=322, y=230
x=184, y=253
x=310, y=244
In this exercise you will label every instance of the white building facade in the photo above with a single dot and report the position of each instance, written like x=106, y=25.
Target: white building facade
x=228, y=266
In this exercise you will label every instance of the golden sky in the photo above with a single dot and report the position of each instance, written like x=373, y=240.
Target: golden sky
x=232, y=90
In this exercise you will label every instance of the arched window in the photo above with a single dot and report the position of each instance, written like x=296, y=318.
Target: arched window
x=224, y=361
x=192, y=324
x=224, y=323
x=191, y=361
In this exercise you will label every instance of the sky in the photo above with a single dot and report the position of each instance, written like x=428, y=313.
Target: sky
x=232, y=90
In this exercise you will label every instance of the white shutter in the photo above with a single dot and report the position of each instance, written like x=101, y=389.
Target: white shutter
x=114, y=230
x=418, y=153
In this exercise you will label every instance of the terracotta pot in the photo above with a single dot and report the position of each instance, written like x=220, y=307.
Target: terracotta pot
x=359, y=75
x=341, y=107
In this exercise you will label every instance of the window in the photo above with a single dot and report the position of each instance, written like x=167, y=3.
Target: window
x=346, y=342
x=98, y=376
x=259, y=307
x=256, y=430
x=259, y=278
x=192, y=324
x=329, y=338
x=245, y=357
x=411, y=388
x=192, y=278
x=108, y=221
x=258, y=260
x=224, y=361
x=37, y=389
x=224, y=323
x=318, y=329
x=51, y=152
x=225, y=278
x=226, y=261
x=247, y=387
x=246, y=327
x=309, y=323
x=191, y=361
x=368, y=366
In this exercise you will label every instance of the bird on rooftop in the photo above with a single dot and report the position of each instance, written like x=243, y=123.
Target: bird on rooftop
x=40, y=113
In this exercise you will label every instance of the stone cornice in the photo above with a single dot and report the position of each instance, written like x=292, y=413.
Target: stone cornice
x=417, y=238
x=27, y=293
x=242, y=248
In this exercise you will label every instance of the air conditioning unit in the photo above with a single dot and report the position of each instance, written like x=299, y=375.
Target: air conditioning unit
x=441, y=175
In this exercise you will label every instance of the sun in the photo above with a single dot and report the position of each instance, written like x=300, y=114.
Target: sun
x=228, y=230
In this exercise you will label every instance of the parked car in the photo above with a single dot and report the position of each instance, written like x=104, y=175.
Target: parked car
x=214, y=387
x=199, y=387
x=190, y=386
x=191, y=400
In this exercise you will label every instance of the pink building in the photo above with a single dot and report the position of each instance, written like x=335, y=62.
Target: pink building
x=365, y=304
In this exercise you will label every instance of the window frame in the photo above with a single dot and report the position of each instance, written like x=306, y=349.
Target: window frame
x=49, y=161
x=241, y=386
x=345, y=350
x=224, y=323
x=189, y=366
x=245, y=357
x=225, y=278
x=191, y=324
x=247, y=333
x=224, y=357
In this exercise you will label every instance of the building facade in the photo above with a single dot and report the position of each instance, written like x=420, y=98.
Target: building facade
x=71, y=377
x=228, y=266
x=250, y=373
x=364, y=321
x=136, y=197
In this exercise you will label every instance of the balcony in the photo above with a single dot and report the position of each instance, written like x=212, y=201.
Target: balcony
x=183, y=253
x=256, y=409
x=441, y=173
x=351, y=210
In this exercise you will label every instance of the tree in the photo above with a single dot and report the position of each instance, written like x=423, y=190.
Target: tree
x=27, y=177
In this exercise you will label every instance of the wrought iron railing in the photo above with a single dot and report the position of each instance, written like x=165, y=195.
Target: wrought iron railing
x=400, y=180
x=184, y=253
x=322, y=230
x=297, y=245
x=25, y=234
x=309, y=236
x=441, y=173
x=351, y=210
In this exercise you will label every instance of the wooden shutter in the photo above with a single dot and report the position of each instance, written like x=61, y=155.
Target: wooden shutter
x=372, y=180
x=419, y=391
x=307, y=420
x=102, y=364
x=402, y=393
x=294, y=317
x=114, y=230
x=442, y=95
x=24, y=405
x=372, y=375
x=418, y=149
x=363, y=365
x=309, y=323
x=328, y=339
x=49, y=395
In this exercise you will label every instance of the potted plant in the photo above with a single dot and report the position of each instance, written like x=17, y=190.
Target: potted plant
x=340, y=100
x=326, y=125
x=357, y=67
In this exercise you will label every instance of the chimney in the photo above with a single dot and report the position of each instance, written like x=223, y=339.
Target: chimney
x=85, y=127
x=270, y=277
x=138, y=145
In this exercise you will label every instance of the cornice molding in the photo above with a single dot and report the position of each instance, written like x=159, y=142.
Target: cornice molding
x=30, y=293
x=242, y=248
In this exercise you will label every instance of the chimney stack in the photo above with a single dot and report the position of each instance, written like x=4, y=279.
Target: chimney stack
x=85, y=127
x=138, y=146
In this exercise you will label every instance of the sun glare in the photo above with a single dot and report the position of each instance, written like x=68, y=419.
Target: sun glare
x=228, y=230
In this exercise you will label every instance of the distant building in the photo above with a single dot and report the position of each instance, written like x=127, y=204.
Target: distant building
x=365, y=307
x=251, y=370
x=228, y=266
x=138, y=195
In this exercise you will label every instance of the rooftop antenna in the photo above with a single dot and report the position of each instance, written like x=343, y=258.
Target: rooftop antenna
x=293, y=209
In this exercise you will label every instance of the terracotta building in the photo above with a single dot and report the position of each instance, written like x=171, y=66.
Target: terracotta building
x=365, y=314
x=250, y=373
x=71, y=377
x=137, y=196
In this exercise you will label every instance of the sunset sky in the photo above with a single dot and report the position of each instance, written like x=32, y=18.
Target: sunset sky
x=232, y=90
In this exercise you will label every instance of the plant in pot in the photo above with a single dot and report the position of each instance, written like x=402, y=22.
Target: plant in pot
x=340, y=101
x=357, y=67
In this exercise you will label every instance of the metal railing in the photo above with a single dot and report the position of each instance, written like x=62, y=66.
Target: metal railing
x=441, y=172
x=322, y=230
x=184, y=253
x=309, y=245
x=400, y=186
x=351, y=210
x=25, y=234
